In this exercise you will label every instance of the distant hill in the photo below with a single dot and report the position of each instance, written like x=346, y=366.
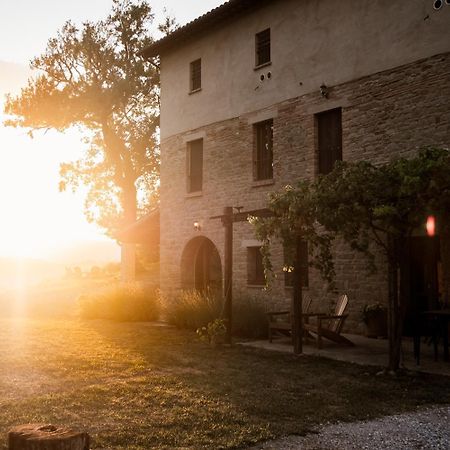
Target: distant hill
x=28, y=271
x=86, y=254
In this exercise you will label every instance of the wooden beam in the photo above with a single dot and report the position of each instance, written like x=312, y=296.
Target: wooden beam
x=227, y=220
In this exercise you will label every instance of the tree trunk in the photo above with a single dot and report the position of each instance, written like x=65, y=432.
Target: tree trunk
x=128, y=251
x=46, y=437
x=297, y=319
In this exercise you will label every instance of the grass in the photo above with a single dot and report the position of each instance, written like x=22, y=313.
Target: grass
x=137, y=386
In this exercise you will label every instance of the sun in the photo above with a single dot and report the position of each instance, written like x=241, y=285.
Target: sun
x=36, y=218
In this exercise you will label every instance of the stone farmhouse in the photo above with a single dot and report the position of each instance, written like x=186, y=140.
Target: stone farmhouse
x=257, y=94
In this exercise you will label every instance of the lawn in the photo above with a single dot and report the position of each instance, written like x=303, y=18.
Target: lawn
x=138, y=386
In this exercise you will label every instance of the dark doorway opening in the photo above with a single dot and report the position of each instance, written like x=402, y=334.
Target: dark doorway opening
x=201, y=268
x=422, y=280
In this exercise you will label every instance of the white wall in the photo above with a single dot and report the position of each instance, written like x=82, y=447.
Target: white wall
x=313, y=42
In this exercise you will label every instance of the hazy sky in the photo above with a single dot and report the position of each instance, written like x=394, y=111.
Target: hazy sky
x=36, y=220
x=26, y=25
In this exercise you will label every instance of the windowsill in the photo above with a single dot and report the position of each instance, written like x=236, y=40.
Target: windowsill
x=195, y=91
x=290, y=288
x=194, y=194
x=261, y=66
x=256, y=286
x=258, y=183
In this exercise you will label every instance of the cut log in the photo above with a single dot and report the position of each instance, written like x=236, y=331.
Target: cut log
x=46, y=437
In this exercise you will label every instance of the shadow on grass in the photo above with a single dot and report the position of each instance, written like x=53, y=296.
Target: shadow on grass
x=136, y=386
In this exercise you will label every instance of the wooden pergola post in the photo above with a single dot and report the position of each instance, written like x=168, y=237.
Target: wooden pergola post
x=297, y=319
x=227, y=220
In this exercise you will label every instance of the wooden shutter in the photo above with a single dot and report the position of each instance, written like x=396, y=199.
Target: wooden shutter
x=255, y=266
x=196, y=75
x=195, y=165
x=329, y=126
x=263, y=47
x=264, y=150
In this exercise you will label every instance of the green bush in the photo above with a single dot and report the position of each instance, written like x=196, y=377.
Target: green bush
x=128, y=303
x=192, y=309
x=249, y=318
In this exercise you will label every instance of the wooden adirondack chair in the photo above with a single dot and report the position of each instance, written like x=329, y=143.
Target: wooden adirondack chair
x=281, y=321
x=330, y=326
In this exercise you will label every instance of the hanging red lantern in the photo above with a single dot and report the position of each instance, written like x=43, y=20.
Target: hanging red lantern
x=431, y=226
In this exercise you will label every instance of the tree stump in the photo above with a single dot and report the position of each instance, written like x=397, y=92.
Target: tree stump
x=46, y=437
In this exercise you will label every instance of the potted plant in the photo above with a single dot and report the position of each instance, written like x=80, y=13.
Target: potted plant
x=375, y=318
x=214, y=332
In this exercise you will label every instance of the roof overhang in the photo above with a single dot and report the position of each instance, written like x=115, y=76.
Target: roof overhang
x=200, y=26
x=143, y=231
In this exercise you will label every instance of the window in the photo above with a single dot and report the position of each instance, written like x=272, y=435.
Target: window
x=262, y=47
x=263, y=152
x=195, y=165
x=329, y=128
x=289, y=276
x=196, y=75
x=255, y=267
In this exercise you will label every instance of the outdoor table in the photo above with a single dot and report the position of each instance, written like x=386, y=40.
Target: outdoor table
x=442, y=318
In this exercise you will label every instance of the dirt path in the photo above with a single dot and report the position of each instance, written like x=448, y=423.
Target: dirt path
x=426, y=429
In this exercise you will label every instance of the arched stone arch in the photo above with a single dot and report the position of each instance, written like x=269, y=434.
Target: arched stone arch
x=201, y=268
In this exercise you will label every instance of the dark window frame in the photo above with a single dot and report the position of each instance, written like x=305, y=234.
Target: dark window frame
x=263, y=47
x=194, y=163
x=255, y=267
x=195, y=75
x=304, y=267
x=263, y=150
x=329, y=139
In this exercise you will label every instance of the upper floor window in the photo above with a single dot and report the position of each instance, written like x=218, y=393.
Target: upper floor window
x=195, y=165
x=262, y=47
x=263, y=150
x=196, y=75
x=329, y=139
x=255, y=266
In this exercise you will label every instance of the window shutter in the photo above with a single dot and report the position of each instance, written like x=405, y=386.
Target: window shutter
x=329, y=127
x=195, y=165
x=262, y=47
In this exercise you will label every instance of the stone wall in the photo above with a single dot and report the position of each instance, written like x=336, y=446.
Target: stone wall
x=385, y=115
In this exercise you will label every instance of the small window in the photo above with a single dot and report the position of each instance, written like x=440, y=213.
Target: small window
x=329, y=139
x=255, y=267
x=262, y=50
x=195, y=166
x=196, y=75
x=304, y=265
x=263, y=150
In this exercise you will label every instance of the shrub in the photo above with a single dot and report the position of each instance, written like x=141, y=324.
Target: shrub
x=128, y=303
x=192, y=309
x=249, y=317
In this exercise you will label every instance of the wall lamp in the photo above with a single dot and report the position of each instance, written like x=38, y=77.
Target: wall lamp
x=197, y=226
x=324, y=90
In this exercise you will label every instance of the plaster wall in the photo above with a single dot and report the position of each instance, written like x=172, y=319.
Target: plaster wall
x=313, y=42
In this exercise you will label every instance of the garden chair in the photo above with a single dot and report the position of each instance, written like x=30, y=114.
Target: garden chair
x=330, y=326
x=281, y=321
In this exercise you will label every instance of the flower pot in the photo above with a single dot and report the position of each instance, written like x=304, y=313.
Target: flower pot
x=376, y=324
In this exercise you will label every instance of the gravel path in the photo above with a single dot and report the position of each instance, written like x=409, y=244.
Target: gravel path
x=426, y=429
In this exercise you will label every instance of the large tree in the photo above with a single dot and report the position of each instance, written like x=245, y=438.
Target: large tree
x=92, y=77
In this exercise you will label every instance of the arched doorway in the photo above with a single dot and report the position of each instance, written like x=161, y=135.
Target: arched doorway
x=201, y=268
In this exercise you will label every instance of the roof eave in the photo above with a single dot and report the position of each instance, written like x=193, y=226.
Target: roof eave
x=202, y=24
